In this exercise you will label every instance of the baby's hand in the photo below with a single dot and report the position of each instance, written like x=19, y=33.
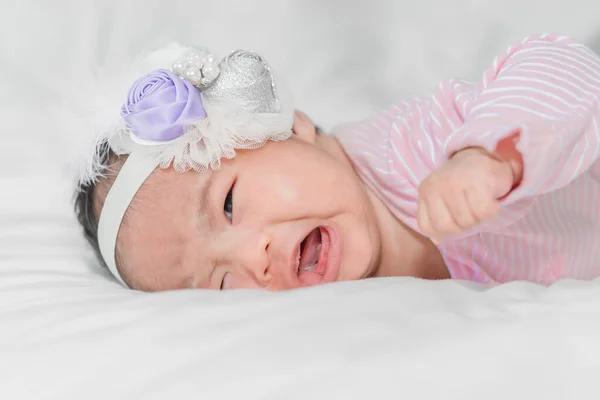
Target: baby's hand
x=463, y=193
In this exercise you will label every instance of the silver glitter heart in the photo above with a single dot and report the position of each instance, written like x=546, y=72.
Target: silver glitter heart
x=245, y=78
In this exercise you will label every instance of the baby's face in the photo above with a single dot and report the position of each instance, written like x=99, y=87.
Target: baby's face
x=287, y=215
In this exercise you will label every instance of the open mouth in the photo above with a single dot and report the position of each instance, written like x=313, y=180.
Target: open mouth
x=312, y=257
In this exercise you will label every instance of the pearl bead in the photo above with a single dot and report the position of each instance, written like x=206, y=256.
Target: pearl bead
x=209, y=59
x=192, y=59
x=193, y=76
x=199, y=63
x=210, y=71
x=178, y=67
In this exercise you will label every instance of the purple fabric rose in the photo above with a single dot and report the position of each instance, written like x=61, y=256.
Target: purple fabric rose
x=159, y=106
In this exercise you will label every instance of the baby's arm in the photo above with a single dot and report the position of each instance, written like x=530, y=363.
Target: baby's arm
x=544, y=92
x=531, y=128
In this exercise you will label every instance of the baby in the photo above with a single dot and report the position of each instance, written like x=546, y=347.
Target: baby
x=491, y=182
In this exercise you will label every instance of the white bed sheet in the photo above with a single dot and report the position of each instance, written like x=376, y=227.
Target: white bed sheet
x=69, y=332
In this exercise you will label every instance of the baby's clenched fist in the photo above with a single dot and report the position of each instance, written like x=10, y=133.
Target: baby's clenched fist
x=463, y=193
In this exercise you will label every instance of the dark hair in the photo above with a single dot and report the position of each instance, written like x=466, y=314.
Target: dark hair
x=85, y=205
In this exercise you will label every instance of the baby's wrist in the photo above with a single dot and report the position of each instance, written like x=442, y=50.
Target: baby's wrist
x=472, y=151
x=476, y=152
x=510, y=158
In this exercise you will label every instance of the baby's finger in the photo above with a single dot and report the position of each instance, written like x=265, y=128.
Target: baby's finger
x=440, y=218
x=483, y=206
x=424, y=222
x=461, y=211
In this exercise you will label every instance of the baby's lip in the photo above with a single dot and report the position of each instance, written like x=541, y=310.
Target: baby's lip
x=328, y=266
x=294, y=262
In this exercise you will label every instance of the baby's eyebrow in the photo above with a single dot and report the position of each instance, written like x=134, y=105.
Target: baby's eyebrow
x=202, y=195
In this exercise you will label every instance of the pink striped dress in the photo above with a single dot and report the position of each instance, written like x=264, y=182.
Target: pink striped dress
x=547, y=87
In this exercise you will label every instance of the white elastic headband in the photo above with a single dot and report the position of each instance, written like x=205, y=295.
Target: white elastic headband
x=134, y=172
x=229, y=106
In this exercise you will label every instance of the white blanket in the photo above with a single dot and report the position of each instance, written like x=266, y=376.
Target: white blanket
x=67, y=331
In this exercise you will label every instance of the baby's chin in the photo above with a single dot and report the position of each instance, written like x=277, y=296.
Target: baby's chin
x=353, y=271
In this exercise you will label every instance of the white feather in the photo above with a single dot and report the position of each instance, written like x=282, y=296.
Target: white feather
x=89, y=108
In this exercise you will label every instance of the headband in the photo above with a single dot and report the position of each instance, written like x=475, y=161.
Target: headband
x=188, y=117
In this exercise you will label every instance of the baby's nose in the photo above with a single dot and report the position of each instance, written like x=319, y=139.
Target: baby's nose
x=252, y=254
x=258, y=255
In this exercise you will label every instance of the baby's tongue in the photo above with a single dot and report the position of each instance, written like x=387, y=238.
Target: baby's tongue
x=311, y=249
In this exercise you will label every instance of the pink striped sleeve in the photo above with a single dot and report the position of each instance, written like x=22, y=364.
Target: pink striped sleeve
x=547, y=89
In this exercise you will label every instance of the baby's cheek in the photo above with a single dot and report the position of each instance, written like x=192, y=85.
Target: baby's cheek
x=355, y=267
x=359, y=251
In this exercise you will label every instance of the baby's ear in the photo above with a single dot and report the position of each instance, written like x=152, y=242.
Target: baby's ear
x=303, y=128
